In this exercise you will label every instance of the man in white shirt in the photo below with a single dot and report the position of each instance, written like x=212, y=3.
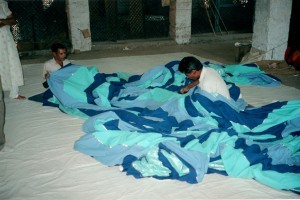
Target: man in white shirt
x=59, y=52
x=206, y=78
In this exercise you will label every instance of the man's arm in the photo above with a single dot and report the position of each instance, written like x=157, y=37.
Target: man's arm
x=10, y=20
x=189, y=86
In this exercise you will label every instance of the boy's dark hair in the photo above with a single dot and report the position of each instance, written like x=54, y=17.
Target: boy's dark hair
x=56, y=46
x=189, y=63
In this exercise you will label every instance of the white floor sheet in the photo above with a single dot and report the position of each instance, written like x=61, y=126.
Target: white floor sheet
x=38, y=161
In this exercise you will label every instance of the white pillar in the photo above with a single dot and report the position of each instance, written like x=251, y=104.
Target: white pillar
x=79, y=25
x=271, y=28
x=180, y=17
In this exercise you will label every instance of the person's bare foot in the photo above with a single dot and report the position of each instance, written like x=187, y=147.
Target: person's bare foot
x=20, y=97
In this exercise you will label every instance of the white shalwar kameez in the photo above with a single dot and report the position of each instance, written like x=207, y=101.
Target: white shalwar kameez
x=10, y=64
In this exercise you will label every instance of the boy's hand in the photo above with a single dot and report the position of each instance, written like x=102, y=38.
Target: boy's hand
x=47, y=75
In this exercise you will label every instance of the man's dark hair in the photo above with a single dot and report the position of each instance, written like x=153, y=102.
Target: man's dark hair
x=187, y=64
x=56, y=46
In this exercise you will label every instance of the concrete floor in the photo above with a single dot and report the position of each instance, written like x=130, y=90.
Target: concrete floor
x=219, y=48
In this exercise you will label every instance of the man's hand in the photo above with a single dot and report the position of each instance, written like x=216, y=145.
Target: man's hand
x=1, y=23
x=189, y=86
x=184, y=90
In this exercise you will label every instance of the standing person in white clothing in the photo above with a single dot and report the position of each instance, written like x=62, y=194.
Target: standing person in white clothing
x=2, y=118
x=59, y=60
x=10, y=64
x=206, y=78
